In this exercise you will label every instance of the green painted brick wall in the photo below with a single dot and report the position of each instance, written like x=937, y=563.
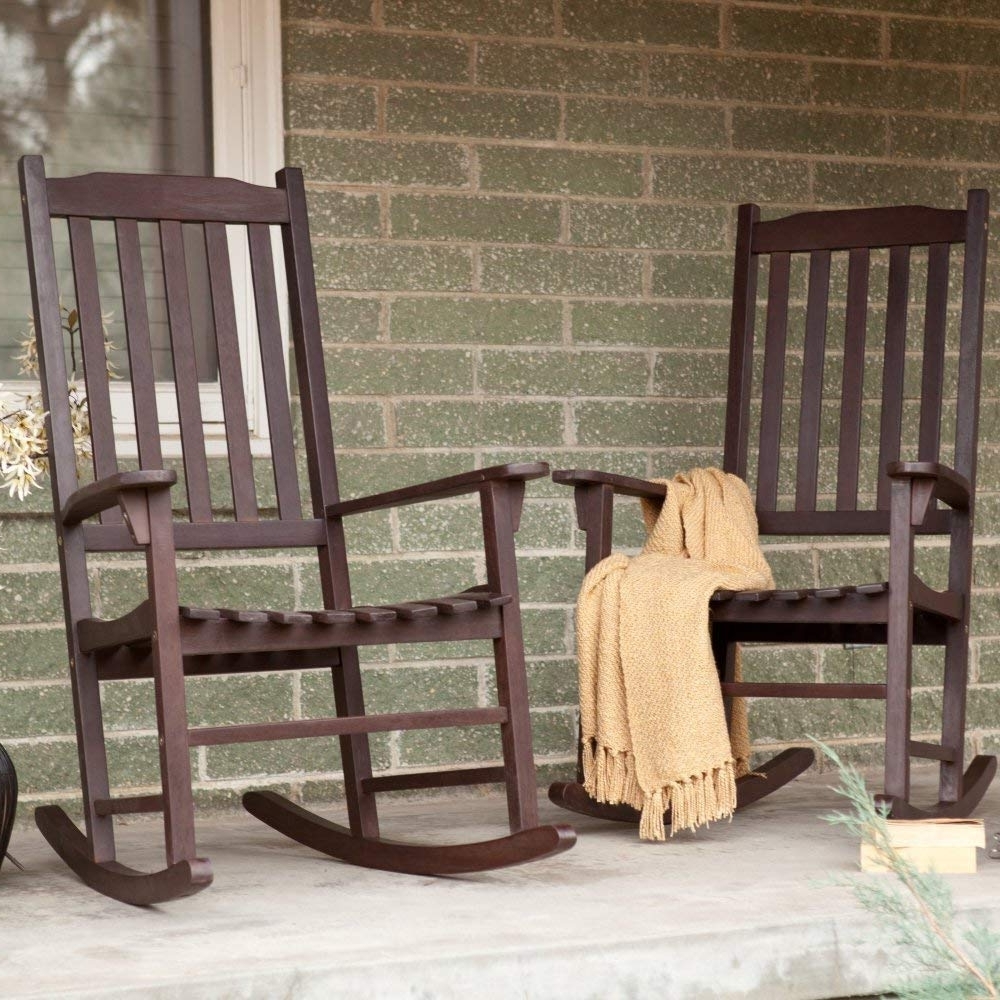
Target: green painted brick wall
x=523, y=217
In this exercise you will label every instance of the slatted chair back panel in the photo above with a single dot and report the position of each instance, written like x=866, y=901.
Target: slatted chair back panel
x=833, y=312
x=223, y=217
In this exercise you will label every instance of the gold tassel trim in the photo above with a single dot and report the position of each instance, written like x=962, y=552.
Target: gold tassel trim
x=609, y=776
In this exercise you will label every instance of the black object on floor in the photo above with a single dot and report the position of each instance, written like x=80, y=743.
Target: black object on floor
x=8, y=803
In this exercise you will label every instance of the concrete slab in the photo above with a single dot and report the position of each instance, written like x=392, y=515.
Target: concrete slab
x=739, y=910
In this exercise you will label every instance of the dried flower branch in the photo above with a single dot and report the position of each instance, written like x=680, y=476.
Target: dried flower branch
x=23, y=440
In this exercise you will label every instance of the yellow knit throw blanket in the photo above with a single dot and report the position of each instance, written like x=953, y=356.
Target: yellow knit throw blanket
x=652, y=720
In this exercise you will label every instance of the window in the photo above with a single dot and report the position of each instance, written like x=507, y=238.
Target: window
x=175, y=86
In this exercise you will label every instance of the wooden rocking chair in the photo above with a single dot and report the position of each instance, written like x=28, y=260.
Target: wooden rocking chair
x=898, y=612
x=158, y=639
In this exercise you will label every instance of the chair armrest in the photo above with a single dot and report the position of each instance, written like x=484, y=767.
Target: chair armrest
x=948, y=486
x=623, y=485
x=439, y=489
x=103, y=494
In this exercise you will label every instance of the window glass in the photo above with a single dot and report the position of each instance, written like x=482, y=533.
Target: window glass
x=119, y=85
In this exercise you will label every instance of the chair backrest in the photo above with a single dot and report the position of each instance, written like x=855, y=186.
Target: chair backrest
x=178, y=207
x=824, y=473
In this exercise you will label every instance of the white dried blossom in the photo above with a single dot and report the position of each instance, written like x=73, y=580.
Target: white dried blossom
x=23, y=438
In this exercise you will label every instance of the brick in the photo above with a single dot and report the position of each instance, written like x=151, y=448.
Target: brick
x=376, y=55
x=729, y=178
x=38, y=710
x=374, y=473
x=512, y=17
x=550, y=67
x=383, y=371
x=904, y=87
x=349, y=320
x=694, y=276
x=669, y=324
x=777, y=720
x=30, y=597
x=369, y=533
x=667, y=227
x=400, y=689
x=29, y=540
x=546, y=632
x=372, y=161
x=433, y=747
x=690, y=373
x=983, y=92
x=656, y=424
x=719, y=77
x=439, y=424
x=458, y=526
x=550, y=682
x=33, y=654
x=128, y=705
x=440, y=651
x=563, y=373
x=982, y=707
x=359, y=11
x=559, y=171
x=655, y=22
x=843, y=134
x=370, y=266
x=566, y=272
x=444, y=112
x=337, y=213
x=382, y=581
x=554, y=733
x=853, y=565
x=335, y=107
x=988, y=659
x=864, y=184
x=629, y=123
x=491, y=220
x=480, y=320
x=226, y=701
x=549, y=579
x=937, y=42
x=944, y=138
x=776, y=663
x=358, y=425
x=806, y=33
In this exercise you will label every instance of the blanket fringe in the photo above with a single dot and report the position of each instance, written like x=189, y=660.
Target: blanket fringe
x=609, y=776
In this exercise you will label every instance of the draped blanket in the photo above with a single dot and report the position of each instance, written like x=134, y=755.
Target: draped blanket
x=653, y=724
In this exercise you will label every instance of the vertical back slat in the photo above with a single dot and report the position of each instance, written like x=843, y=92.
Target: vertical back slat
x=892, y=373
x=935, y=333
x=971, y=337
x=182, y=345
x=741, y=344
x=852, y=387
x=230, y=373
x=95, y=362
x=814, y=355
x=279, y=418
x=773, y=383
x=140, y=354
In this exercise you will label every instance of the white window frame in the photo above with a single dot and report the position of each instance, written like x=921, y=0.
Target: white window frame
x=248, y=144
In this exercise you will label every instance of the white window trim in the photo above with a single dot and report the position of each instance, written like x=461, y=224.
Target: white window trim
x=248, y=144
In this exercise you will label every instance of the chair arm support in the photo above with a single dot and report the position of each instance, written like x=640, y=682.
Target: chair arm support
x=933, y=480
x=105, y=493
x=622, y=485
x=439, y=489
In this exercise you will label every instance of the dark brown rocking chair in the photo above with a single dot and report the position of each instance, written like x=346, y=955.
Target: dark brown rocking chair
x=158, y=639
x=903, y=610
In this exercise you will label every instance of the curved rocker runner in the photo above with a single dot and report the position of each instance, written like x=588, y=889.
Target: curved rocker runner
x=134, y=512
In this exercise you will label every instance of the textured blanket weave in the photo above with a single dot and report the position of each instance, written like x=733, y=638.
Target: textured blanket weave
x=652, y=720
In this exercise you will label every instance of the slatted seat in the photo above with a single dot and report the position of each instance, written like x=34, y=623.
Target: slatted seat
x=133, y=511
x=782, y=372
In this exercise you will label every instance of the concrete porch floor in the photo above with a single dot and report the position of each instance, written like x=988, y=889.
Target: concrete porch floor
x=735, y=911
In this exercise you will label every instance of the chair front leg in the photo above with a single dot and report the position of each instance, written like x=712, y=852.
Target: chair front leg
x=594, y=516
x=899, y=642
x=168, y=683
x=501, y=508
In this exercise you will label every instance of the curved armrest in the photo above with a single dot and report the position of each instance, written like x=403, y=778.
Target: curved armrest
x=103, y=494
x=624, y=485
x=438, y=489
x=945, y=483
